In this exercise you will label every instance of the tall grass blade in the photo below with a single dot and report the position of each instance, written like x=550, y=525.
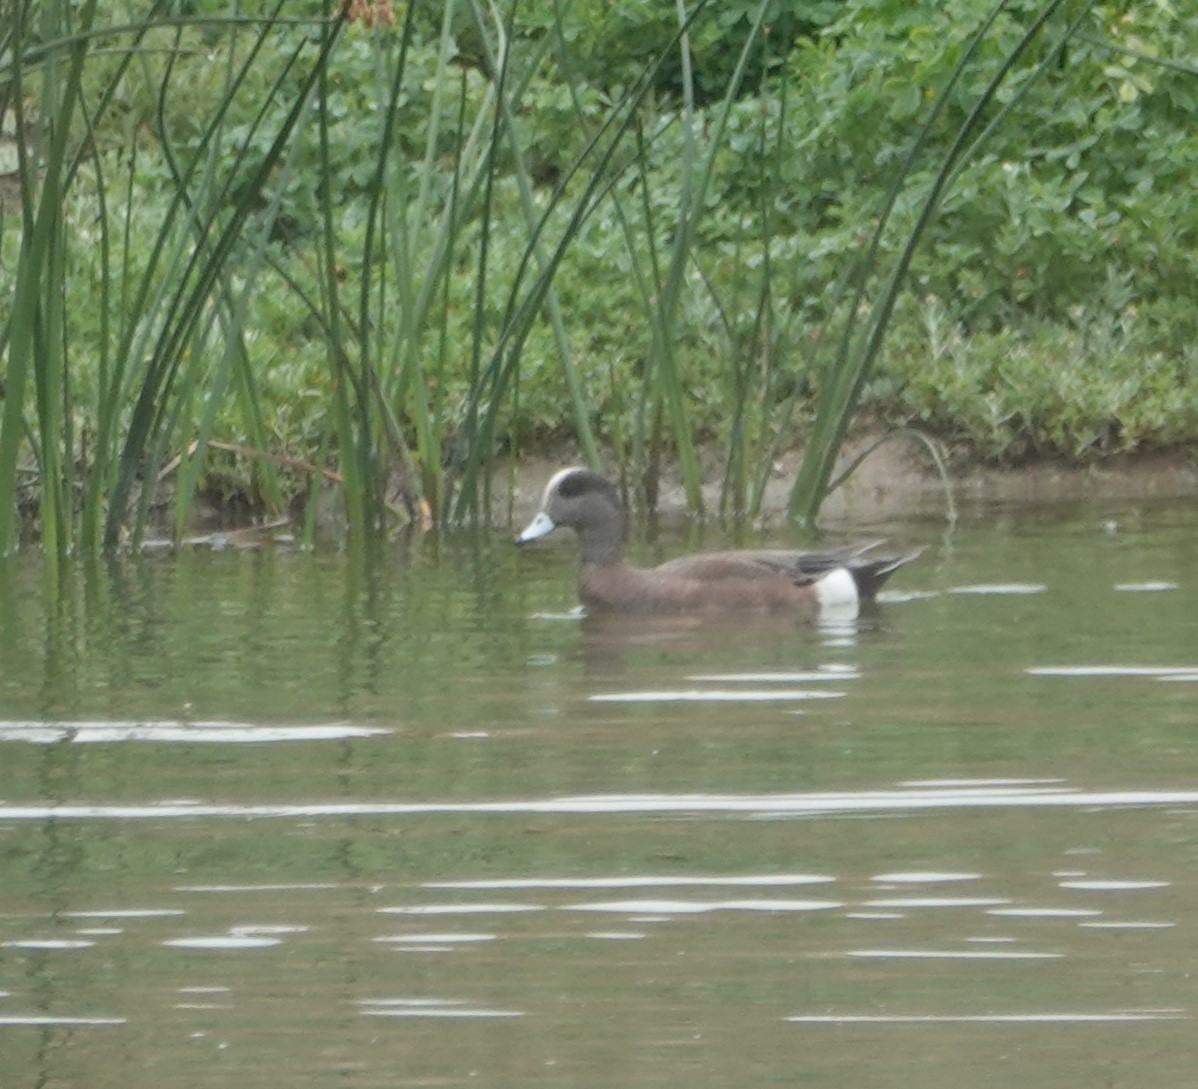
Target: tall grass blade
x=34, y=334
x=844, y=379
x=220, y=234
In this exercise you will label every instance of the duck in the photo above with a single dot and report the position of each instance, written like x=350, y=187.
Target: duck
x=810, y=583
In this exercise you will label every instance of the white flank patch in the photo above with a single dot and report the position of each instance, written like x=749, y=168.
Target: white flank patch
x=837, y=590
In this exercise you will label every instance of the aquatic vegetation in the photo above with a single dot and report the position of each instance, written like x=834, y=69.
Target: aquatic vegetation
x=268, y=249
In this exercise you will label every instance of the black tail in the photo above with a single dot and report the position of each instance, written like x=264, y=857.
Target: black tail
x=870, y=575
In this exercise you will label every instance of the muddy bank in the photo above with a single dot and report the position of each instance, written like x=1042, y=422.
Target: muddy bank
x=894, y=482
x=899, y=479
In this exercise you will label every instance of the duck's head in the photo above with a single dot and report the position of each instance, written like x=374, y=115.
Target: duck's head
x=588, y=504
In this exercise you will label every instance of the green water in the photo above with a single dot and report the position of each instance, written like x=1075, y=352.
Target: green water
x=279, y=819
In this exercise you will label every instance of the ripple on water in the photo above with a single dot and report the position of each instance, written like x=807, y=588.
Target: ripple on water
x=976, y=784
x=36, y=1020
x=300, y=886
x=124, y=913
x=634, y=881
x=1080, y=1018
x=697, y=907
x=902, y=800
x=898, y=597
x=1045, y=912
x=251, y=930
x=823, y=673
x=923, y=877
x=48, y=943
x=1000, y=588
x=459, y=909
x=429, y=1007
x=52, y=733
x=716, y=695
x=223, y=942
x=1187, y=672
x=434, y=939
x=935, y=901
x=952, y=954
x=1129, y=924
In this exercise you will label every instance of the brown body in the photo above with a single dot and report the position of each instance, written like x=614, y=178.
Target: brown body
x=719, y=585
x=762, y=580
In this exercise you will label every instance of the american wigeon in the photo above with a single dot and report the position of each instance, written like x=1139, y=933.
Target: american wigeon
x=801, y=581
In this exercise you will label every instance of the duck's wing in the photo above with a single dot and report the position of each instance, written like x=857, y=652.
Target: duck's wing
x=716, y=566
x=870, y=572
x=766, y=563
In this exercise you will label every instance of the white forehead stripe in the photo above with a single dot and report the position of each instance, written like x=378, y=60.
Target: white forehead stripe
x=556, y=478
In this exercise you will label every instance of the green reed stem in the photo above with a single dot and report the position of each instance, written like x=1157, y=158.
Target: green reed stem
x=35, y=334
x=846, y=374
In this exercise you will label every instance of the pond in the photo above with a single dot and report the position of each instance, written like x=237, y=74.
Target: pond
x=286, y=819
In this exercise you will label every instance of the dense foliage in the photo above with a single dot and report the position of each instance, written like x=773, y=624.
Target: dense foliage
x=501, y=227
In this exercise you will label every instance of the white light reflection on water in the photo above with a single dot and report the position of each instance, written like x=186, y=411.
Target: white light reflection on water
x=429, y=1007
x=697, y=907
x=1129, y=924
x=1114, y=1017
x=223, y=942
x=125, y=913
x=445, y=1012
x=716, y=695
x=1164, y=672
x=935, y=901
x=751, y=805
x=824, y=673
x=48, y=943
x=981, y=782
x=254, y=930
x=898, y=597
x=1001, y=588
x=460, y=909
x=436, y=939
x=52, y=733
x=1046, y=912
x=42, y=1020
x=300, y=886
x=627, y=882
x=951, y=954
x=923, y=878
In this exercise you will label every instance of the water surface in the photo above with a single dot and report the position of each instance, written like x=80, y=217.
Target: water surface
x=277, y=818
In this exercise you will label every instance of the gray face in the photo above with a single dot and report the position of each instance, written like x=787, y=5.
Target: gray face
x=577, y=498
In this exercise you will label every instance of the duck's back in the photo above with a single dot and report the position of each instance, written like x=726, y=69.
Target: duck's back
x=766, y=563
x=712, y=581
